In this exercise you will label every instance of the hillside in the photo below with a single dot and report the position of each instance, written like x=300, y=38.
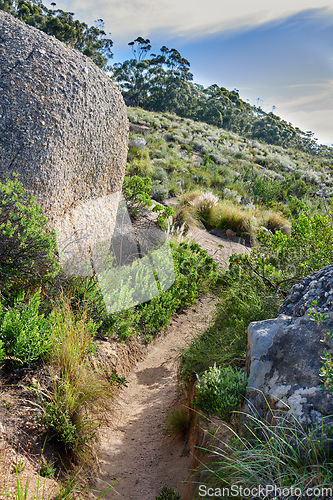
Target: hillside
x=256, y=179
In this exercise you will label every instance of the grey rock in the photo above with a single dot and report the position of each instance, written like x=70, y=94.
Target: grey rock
x=138, y=142
x=63, y=123
x=317, y=286
x=284, y=360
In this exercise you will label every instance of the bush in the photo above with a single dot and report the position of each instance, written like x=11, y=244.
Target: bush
x=204, y=204
x=160, y=191
x=284, y=455
x=168, y=494
x=266, y=190
x=28, y=248
x=24, y=333
x=136, y=193
x=280, y=261
x=274, y=221
x=220, y=391
x=177, y=421
x=195, y=273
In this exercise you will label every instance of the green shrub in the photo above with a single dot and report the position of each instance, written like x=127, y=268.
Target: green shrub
x=220, y=391
x=24, y=333
x=136, y=193
x=58, y=420
x=28, y=248
x=227, y=215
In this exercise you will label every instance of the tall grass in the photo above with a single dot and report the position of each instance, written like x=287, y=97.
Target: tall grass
x=81, y=392
x=283, y=454
x=226, y=215
x=225, y=341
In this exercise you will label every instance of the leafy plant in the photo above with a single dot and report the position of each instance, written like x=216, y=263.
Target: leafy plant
x=220, y=390
x=279, y=261
x=326, y=371
x=177, y=421
x=91, y=41
x=24, y=332
x=28, y=248
x=136, y=192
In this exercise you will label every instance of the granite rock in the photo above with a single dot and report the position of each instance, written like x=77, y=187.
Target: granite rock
x=284, y=359
x=63, y=123
x=317, y=286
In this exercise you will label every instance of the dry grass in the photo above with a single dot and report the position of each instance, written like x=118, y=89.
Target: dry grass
x=226, y=215
x=274, y=220
x=82, y=393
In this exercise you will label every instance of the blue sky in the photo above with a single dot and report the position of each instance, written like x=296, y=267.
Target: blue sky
x=281, y=54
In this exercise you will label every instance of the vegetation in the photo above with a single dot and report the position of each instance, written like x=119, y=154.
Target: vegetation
x=164, y=83
x=282, y=455
x=24, y=332
x=227, y=166
x=220, y=391
x=92, y=41
x=168, y=494
x=28, y=249
x=195, y=273
x=177, y=421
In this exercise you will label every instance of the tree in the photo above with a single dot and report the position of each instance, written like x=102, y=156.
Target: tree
x=91, y=41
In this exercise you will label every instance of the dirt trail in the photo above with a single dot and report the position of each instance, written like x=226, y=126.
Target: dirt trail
x=135, y=451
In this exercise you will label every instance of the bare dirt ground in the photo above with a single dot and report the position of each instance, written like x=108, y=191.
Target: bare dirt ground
x=218, y=245
x=135, y=451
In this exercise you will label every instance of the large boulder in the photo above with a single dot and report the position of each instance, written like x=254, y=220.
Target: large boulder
x=285, y=357
x=63, y=123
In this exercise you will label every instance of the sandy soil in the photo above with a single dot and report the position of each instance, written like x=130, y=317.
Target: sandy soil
x=135, y=451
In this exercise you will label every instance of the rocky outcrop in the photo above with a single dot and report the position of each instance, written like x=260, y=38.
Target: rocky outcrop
x=285, y=357
x=63, y=123
x=317, y=286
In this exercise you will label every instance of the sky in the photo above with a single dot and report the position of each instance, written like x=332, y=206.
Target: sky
x=279, y=55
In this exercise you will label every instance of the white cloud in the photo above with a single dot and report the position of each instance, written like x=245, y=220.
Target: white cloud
x=319, y=121
x=318, y=96
x=188, y=18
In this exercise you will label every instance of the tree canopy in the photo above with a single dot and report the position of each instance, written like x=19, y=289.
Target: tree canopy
x=163, y=82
